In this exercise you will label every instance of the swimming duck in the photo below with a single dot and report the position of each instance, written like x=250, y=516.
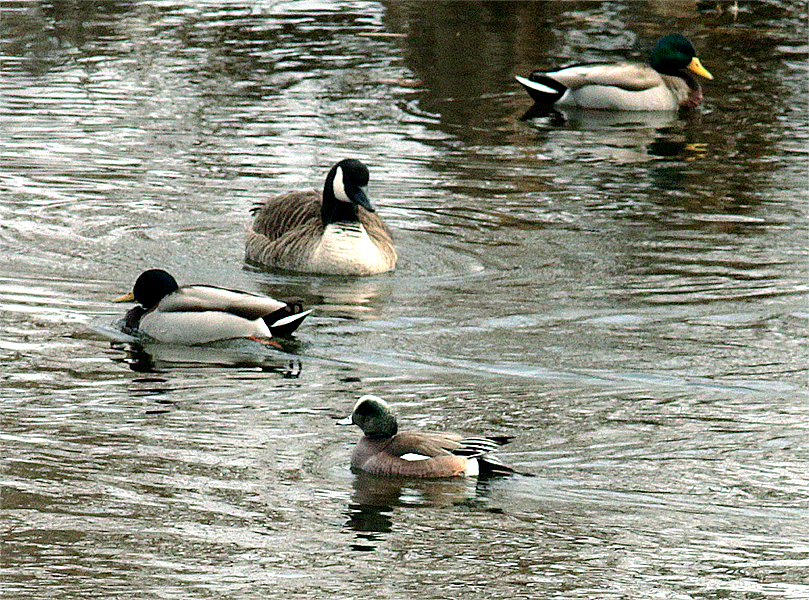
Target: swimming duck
x=665, y=84
x=336, y=232
x=385, y=451
x=197, y=314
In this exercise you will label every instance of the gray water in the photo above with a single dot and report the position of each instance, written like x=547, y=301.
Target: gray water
x=624, y=294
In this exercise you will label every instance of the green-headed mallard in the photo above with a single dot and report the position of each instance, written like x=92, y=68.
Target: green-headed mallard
x=665, y=83
x=197, y=314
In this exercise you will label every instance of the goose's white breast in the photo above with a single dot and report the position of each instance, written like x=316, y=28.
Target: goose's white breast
x=347, y=249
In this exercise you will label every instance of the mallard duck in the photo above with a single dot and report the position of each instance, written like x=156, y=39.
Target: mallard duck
x=197, y=314
x=665, y=84
x=385, y=451
x=336, y=232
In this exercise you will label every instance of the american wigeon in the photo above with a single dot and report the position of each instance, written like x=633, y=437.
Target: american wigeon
x=336, y=232
x=385, y=451
x=665, y=83
x=197, y=314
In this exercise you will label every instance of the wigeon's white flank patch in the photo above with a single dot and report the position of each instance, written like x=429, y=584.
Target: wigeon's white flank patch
x=472, y=468
x=413, y=456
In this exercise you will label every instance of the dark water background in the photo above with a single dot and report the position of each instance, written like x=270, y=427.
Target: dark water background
x=626, y=294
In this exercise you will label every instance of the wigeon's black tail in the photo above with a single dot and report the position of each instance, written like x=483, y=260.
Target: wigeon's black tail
x=491, y=466
x=479, y=448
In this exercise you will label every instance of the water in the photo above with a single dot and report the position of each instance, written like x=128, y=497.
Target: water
x=625, y=294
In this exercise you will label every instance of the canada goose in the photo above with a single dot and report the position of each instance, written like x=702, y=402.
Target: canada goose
x=664, y=84
x=337, y=232
x=197, y=314
x=385, y=451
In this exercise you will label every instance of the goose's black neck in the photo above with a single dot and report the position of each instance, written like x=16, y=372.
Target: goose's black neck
x=336, y=211
x=333, y=210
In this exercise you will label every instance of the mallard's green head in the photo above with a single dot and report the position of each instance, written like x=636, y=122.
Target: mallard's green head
x=150, y=288
x=674, y=53
x=374, y=416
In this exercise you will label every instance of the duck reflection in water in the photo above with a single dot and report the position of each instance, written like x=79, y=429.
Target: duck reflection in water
x=582, y=118
x=375, y=498
x=625, y=137
x=154, y=358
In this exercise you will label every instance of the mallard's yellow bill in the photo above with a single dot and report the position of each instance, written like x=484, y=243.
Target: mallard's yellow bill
x=697, y=68
x=130, y=297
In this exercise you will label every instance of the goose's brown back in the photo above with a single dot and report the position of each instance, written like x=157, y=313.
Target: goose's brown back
x=284, y=213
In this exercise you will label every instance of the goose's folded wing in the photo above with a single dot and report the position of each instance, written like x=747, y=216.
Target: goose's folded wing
x=376, y=228
x=627, y=76
x=278, y=215
x=193, y=298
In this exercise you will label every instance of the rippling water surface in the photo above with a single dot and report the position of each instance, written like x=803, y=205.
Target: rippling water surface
x=625, y=294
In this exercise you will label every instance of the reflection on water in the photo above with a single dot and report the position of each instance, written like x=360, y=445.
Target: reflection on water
x=347, y=297
x=372, y=513
x=576, y=118
x=623, y=137
x=383, y=491
x=626, y=295
x=156, y=357
x=368, y=521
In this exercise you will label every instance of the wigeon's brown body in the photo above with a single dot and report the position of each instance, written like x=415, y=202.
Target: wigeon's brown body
x=385, y=451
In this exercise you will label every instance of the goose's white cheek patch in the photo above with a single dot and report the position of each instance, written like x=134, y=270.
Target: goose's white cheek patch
x=338, y=187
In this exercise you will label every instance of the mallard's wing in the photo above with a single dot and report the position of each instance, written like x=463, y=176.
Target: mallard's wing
x=627, y=76
x=197, y=298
